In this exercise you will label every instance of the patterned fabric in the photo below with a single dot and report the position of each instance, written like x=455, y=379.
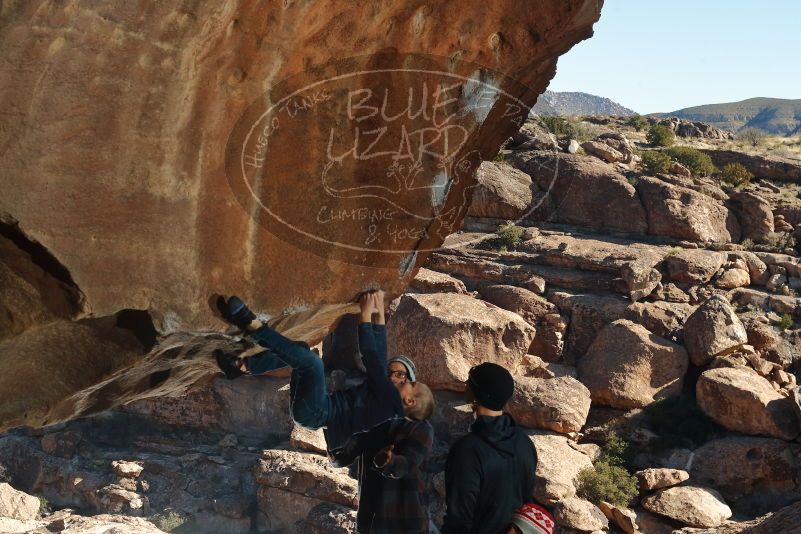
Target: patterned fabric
x=393, y=497
x=533, y=519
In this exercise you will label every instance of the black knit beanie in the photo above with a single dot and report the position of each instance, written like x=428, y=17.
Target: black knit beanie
x=491, y=384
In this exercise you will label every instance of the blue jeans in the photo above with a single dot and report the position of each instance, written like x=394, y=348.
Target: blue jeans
x=308, y=396
x=264, y=361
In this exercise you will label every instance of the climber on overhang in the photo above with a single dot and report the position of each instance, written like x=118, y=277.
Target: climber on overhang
x=382, y=422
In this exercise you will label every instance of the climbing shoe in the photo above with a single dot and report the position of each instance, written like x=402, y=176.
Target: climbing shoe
x=235, y=311
x=228, y=364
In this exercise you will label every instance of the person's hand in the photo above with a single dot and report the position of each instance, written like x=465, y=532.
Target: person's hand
x=367, y=306
x=379, y=305
x=383, y=457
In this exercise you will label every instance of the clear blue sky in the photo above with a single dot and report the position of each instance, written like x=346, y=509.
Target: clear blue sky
x=655, y=56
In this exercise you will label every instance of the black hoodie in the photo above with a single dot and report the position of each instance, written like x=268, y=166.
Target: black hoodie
x=489, y=475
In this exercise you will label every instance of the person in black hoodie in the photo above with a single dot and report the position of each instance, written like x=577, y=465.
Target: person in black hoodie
x=490, y=471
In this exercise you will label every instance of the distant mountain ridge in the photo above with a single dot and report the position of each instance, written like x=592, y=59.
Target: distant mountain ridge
x=775, y=116
x=574, y=103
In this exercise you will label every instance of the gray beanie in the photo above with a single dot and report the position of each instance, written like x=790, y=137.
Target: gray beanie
x=411, y=369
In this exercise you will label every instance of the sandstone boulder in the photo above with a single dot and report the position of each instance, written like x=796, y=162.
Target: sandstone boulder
x=694, y=266
x=659, y=478
x=602, y=151
x=558, y=464
x=558, y=404
x=446, y=334
x=629, y=367
x=741, y=400
x=691, y=505
x=712, y=330
x=291, y=484
x=625, y=519
x=733, y=278
x=17, y=504
x=757, y=269
x=328, y=518
x=582, y=191
x=588, y=315
x=544, y=316
x=664, y=319
x=755, y=215
x=502, y=192
x=686, y=214
x=428, y=281
x=579, y=514
x=765, y=474
x=641, y=278
x=533, y=135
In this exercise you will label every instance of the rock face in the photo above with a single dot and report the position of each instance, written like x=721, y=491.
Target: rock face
x=629, y=367
x=712, y=330
x=693, y=506
x=177, y=102
x=741, y=400
x=446, y=334
x=292, y=484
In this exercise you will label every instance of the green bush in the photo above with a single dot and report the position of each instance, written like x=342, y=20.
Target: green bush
x=169, y=521
x=44, y=505
x=699, y=163
x=659, y=135
x=510, y=235
x=785, y=322
x=679, y=423
x=735, y=174
x=615, y=451
x=779, y=240
x=556, y=125
x=500, y=156
x=656, y=162
x=566, y=129
x=638, y=122
x=606, y=482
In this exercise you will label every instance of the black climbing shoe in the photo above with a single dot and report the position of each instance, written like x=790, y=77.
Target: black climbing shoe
x=228, y=364
x=235, y=311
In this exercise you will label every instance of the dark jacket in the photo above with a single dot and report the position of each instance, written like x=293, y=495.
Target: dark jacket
x=361, y=408
x=489, y=474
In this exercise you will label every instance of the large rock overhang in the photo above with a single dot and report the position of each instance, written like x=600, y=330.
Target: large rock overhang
x=294, y=153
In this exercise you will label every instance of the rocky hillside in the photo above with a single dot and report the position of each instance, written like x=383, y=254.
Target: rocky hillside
x=573, y=104
x=772, y=115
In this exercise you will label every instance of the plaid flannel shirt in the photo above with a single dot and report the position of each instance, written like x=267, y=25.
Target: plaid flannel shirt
x=392, y=498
